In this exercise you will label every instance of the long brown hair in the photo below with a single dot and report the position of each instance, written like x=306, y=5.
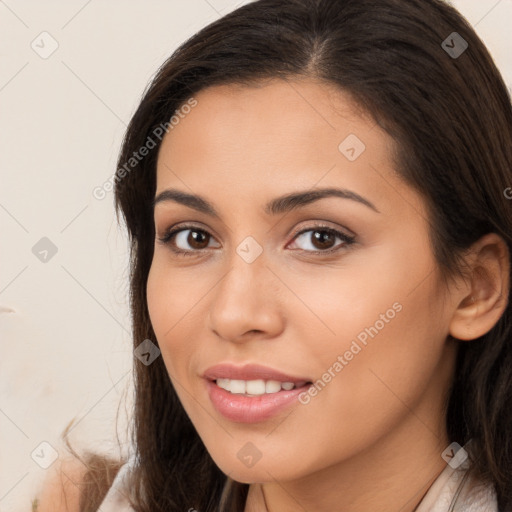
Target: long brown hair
x=451, y=118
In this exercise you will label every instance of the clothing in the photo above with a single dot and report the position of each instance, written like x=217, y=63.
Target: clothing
x=115, y=500
x=454, y=490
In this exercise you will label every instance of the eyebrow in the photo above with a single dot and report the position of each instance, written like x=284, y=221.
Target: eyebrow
x=276, y=206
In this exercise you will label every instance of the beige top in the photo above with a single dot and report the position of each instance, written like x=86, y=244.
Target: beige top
x=453, y=491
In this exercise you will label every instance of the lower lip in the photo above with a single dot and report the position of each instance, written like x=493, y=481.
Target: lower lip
x=251, y=409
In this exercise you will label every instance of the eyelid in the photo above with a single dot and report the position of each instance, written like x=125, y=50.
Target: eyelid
x=170, y=234
x=323, y=224
x=179, y=226
x=347, y=240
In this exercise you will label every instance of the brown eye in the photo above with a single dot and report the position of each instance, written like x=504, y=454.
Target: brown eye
x=196, y=238
x=186, y=240
x=322, y=239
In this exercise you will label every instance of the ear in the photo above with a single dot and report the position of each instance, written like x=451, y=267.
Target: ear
x=485, y=297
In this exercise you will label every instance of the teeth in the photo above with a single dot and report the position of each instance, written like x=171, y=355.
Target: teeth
x=272, y=386
x=254, y=387
x=238, y=386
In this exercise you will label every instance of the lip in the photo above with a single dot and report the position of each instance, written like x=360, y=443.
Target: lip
x=251, y=409
x=249, y=372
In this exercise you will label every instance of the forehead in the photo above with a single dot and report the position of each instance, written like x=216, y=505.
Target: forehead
x=274, y=137
x=269, y=124
x=275, y=110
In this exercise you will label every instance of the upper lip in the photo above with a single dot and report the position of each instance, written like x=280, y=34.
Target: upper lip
x=249, y=372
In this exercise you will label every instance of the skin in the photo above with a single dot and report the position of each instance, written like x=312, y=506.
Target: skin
x=372, y=438
x=61, y=487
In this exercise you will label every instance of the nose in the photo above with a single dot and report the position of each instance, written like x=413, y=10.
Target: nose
x=245, y=303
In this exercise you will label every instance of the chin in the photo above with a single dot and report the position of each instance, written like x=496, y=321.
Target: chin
x=261, y=472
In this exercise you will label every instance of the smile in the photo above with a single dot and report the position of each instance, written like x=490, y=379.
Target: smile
x=256, y=387
x=256, y=406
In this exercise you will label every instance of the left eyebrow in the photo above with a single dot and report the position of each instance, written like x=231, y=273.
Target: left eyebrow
x=295, y=200
x=276, y=206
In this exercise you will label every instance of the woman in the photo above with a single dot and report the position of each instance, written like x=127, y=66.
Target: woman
x=316, y=197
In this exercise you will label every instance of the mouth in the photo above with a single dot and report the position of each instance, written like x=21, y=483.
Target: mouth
x=258, y=387
x=252, y=393
x=261, y=395
x=252, y=378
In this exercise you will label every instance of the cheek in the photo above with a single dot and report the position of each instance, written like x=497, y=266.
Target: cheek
x=374, y=346
x=177, y=310
x=160, y=301
x=385, y=367
x=167, y=307
x=170, y=296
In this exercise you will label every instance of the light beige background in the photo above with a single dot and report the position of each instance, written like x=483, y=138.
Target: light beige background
x=64, y=324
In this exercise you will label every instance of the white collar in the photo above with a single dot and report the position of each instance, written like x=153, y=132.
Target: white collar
x=457, y=490
x=454, y=490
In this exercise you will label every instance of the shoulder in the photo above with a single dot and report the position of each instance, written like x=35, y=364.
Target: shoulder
x=60, y=491
x=475, y=495
x=458, y=489
x=116, y=499
x=72, y=482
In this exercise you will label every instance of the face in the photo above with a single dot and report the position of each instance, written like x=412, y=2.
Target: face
x=340, y=291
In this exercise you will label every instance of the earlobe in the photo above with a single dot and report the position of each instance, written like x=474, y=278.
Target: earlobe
x=479, y=310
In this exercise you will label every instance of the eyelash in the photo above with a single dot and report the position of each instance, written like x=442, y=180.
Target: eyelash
x=170, y=235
